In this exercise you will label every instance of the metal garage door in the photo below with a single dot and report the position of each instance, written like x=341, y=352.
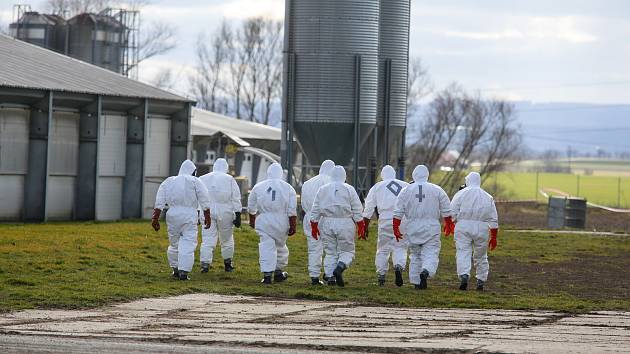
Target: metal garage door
x=64, y=152
x=157, y=157
x=13, y=161
x=111, y=166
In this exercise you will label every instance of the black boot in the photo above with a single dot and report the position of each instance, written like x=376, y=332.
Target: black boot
x=266, y=279
x=480, y=284
x=280, y=276
x=228, y=265
x=338, y=274
x=417, y=286
x=175, y=273
x=316, y=281
x=381, y=280
x=399, y=278
x=463, y=282
x=423, y=279
x=330, y=281
x=183, y=275
x=205, y=267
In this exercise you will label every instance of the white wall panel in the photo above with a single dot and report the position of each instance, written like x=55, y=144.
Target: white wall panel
x=109, y=198
x=151, y=186
x=60, y=201
x=14, y=124
x=64, y=144
x=112, y=145
x=11, y=196
x=157, y=147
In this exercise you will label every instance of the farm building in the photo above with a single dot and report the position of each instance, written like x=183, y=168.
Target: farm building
x=78, y=142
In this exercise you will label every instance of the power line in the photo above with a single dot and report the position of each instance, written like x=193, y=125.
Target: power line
x=587, y=84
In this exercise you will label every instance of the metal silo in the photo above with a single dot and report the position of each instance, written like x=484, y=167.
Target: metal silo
x=392, y=80
x=331, y=75
x=96, y=39
x=43, y=30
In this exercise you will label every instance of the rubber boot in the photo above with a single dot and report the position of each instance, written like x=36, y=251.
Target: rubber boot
x=280, y=276
x=316, y=281
x=381, y=280
x=228, y=265
x=338, y=274
x=183, y=275
x=463, y=282
x=331, y=281
x=399, y=277
x=480, y=284
x=175, y=273
x=417, y=286
x=423, y=279
x=205, y=267
x=266, y=279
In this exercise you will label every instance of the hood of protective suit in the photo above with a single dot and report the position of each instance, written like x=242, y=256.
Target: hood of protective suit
x=338, y=175
x=274, y=171
x=220, y=165
x=187, y=169
x=473, y=180
x=326, y=168
x=420, y=174
x=388, y=172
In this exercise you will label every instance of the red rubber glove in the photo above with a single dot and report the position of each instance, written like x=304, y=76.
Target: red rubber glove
x=252, y=220
x=206, y=219
x=493, y=239
x=292, y=225
x=315, y=230
x=366, y=233
x=361, y=230
x=155, y=219
x=449, y=226
x=397, y=233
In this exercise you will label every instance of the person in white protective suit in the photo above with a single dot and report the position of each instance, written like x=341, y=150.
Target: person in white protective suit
x=182, y=194
x=272, y=213
x=225, y=210
x=423, y=204
x=476, y=229
x=315, y=248
x=336, y=209
x=382, y=199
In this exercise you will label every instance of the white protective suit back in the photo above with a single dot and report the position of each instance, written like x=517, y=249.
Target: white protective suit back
x=421, y=202
x=224, y=194
x=383, y=195
x=310, y=187
x=273, y=195
x=337, y=199
x=183, y=190
x=473, y=203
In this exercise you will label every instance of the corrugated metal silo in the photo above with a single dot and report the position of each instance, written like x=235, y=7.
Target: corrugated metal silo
x=332, y=74
x=96, y=39
x=14, y=131
x=392, y=83
x=39, y=29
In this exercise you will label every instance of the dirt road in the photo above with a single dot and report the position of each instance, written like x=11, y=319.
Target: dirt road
x=239, y=324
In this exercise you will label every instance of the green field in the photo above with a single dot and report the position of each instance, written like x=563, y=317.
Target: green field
x=79, y=265
x=604, y=190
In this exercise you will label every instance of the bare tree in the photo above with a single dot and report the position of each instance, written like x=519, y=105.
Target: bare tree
x=164, y=79
x=156, y=39
x=458, y=129
x=69, y=8
x=207, y=81
x=419, y=85
x=251, y=42
x=271, y=62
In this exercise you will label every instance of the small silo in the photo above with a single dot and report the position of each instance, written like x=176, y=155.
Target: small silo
x=43, y=30
x=96, y=39
x=392, y=81
x=331, y=75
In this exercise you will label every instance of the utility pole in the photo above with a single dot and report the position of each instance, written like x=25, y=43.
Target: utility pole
x=569, y=157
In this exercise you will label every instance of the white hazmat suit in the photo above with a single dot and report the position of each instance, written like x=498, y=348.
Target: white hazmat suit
x=182, y=194
x=382, y=197
x=422, y=204
x=225, y=205
x=476, y=216
x=271, y=204
x=335, y=211
x=309, y=190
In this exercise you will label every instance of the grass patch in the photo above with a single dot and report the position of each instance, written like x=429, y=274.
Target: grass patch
x=79, y=265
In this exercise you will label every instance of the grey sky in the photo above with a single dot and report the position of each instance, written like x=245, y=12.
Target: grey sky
x=542, y=51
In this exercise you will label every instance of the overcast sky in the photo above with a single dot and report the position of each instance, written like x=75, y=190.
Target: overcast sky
x=535, y=50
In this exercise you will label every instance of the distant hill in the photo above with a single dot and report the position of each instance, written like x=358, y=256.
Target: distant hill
x=584, y=127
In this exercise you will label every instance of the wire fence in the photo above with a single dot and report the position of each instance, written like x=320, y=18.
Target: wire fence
x=611, y=191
